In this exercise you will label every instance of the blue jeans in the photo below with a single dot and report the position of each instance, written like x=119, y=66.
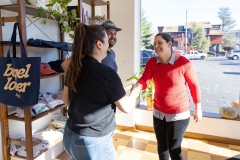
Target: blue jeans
x=88, y=148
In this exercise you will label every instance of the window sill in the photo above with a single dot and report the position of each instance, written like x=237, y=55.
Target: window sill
x=205, y=114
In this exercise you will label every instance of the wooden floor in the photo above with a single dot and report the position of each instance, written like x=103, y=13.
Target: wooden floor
x=139, y=145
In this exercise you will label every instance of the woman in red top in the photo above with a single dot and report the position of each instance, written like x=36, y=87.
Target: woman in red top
x=171, y=75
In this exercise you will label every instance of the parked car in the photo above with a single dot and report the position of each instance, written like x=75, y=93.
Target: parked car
x=233, y=54
x=180, y=53
x=145, y=56
x=195, y=55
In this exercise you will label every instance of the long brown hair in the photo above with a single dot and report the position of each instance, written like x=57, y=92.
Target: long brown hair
x=85, y=36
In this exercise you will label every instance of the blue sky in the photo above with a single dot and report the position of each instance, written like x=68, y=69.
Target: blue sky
x=173, y=12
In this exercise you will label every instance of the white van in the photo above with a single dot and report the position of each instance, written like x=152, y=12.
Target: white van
x=195, y=55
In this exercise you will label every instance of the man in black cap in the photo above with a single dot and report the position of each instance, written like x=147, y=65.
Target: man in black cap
x=111, y=30
x=109, y=60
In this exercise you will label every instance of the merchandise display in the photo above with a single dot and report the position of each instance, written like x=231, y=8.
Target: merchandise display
x=46, y=69
x=59, y=121
x=39, y=146
x=46, y=102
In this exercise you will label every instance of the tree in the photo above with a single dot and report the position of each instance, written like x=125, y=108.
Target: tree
x=146, y=33
x=229, y=40
x=206, y=44
x=227, y=24
x=199, y=39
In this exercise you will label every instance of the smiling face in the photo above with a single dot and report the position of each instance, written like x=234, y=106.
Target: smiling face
x=112, y=36
x=161, y=46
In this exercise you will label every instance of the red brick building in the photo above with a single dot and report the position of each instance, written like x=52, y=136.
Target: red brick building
x=214, y=32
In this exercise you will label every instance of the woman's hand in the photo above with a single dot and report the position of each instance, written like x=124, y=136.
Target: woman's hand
x=137, y=85
x=135, y=90
x=197, y=115
x=65, y=64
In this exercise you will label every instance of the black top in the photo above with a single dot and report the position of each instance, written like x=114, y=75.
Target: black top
x=90, y=112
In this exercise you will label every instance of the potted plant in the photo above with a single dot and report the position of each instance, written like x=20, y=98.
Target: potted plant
x=57, y=9
x=97, y=19
x=148, y=93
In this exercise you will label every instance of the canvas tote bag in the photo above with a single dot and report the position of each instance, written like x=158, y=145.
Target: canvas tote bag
x=19, y=76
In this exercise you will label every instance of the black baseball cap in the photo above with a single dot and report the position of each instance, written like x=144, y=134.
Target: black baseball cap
x=109, y=24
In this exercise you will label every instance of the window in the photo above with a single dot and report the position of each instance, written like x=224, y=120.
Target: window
x=215, y=26
x=220, y=85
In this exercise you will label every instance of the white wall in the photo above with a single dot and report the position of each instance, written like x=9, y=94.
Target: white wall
x=126, y=15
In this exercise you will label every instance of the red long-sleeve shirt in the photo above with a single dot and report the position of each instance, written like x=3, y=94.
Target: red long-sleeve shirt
x=170, y=80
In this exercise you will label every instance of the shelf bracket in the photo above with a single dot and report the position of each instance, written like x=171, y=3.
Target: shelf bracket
x=2, y=22
x=8, y=19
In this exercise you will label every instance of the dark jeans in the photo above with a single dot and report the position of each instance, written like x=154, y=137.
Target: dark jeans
x=169, y=137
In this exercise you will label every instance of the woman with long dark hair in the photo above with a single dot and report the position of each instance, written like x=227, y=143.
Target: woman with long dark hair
x=89, y=91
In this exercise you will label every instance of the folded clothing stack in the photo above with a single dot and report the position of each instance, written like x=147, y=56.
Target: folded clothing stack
x=46, y=101
x=52, y=100
x=59, y=122
x=35, y=110
x=39, y=146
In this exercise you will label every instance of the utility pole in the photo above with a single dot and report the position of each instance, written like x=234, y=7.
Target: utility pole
x=186, y=34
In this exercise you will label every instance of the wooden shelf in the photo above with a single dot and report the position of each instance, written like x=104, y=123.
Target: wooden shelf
x=7, y=45
x=51, y=146
x=95, y=2
x=12, y=117
x=30, y=10
x=53, y=75
x=18, y=45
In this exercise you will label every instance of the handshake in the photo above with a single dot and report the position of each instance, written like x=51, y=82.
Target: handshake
x=136, y=89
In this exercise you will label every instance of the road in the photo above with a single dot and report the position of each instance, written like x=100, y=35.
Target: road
x=219, y=80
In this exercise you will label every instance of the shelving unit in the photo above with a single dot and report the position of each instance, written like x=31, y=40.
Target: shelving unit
x=30, y=10
x=22, y=9
x=13, y=117
x=52, y=75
